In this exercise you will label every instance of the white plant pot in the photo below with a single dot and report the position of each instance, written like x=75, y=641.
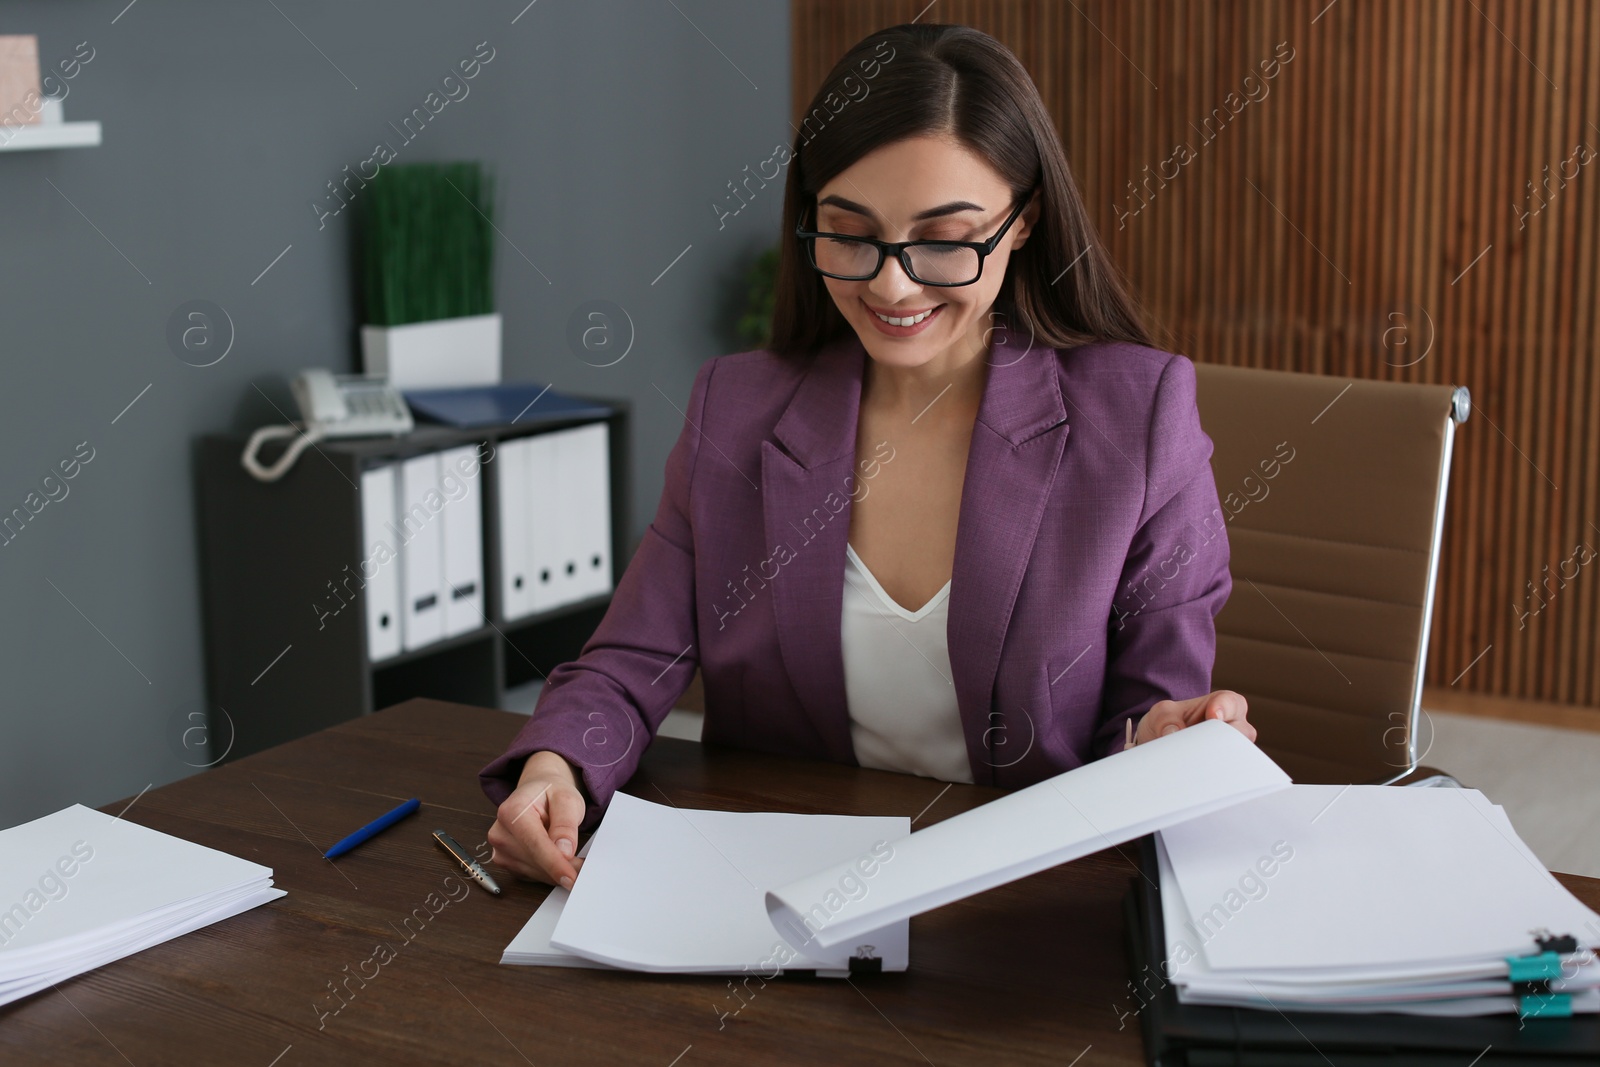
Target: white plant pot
x=440, y=354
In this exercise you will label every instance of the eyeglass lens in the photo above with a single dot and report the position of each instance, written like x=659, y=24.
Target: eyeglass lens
x=932, y=264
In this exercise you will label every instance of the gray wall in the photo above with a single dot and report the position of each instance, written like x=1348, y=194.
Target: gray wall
x=613, y=125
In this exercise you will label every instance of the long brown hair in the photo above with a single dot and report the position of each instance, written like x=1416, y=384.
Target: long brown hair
x=916, y=80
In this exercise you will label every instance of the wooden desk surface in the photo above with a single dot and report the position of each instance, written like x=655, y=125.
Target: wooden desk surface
x=985, y=985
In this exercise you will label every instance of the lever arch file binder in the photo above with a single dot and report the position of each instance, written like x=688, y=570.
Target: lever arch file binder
x=422, y=554
x=459, y=476
x=380, y=567
x=511, y=482
x=549, y=518
x=555, y=519
x=586, y=466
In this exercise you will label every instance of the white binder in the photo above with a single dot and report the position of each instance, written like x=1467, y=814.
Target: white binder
x=459, y=477
x=586, y=463
x=511, y=482
x=555, y=518
x=422, y=557
x=549, y=518
x=380, y=570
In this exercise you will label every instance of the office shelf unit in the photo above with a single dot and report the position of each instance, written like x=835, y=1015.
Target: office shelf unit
x=281, y=583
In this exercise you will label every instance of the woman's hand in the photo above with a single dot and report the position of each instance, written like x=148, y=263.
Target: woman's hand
x=535, y=831
x=1166, y=716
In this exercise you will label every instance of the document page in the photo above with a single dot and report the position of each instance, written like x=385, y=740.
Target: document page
x=681, y=890
x=1160, y=783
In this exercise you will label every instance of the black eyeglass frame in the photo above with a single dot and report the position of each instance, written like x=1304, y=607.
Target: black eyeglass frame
x=898, y=248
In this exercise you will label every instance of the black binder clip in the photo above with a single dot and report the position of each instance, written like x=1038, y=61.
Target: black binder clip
x=1565, y=943
x=865, y=961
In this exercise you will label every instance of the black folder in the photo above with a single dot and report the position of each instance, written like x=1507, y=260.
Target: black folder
x=1195, y=1035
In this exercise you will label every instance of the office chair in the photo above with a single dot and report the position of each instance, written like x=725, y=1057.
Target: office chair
x=1333, y=492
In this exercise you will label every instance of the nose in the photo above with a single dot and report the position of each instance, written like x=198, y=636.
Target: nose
x=892, y=284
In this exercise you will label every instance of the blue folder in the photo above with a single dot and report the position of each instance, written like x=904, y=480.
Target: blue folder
x=522, y=403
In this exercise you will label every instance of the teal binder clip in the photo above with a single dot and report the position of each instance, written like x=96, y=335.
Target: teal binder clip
x=1545, y=1006
x=1530, y=978
x=1538, y=968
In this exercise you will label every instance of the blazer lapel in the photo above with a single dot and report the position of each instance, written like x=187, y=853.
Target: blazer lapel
x=1011, y=466
x=806, y=492
x=1008, y=480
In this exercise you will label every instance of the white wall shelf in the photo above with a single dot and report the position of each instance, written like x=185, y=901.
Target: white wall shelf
x=49, y=135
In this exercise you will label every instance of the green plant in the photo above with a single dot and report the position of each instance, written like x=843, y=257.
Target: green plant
x=427, y=243
x=761, y=281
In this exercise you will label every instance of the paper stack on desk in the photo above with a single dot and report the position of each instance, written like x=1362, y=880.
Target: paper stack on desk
x=678, y=890
x=1367, y=899
x=81, y=888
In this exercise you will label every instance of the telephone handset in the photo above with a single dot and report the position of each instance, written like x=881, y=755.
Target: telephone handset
x=348, y=405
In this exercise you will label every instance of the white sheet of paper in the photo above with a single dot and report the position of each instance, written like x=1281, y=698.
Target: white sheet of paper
x=1197, y=770
x=1383, y=883
x=679, y=890
x=80, y=888
x=235, y=904
x=532, y=948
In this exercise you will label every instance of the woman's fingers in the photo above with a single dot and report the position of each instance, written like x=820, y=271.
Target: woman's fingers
x=1223, y=704
x=507, y=852
x=534, y=834
x=521, y=833
x=566, y=812
x=1169, y=716
x=1231, y=708
x=1163, y=717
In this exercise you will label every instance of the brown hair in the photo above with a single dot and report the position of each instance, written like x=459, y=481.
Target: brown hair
x=943, y=79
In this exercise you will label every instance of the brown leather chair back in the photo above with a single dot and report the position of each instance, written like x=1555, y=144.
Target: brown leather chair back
x=1333, y=492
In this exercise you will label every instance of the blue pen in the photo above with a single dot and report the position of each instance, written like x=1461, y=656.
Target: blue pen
x=374, y=828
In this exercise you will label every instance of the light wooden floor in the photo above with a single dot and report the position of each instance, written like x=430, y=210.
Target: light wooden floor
x=1546, y=777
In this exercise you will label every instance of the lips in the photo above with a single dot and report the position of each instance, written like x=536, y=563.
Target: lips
x=888, y=329
x=904, y=318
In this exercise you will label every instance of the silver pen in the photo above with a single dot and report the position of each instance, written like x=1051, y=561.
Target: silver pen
x=477, y=872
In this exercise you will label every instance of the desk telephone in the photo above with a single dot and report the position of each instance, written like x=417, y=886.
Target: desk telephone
x=346, y=405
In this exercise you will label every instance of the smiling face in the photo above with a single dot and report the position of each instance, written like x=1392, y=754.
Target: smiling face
x=921, y=188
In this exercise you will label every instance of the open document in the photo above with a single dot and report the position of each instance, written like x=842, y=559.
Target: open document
x=81, y=888
x=680, y=890
x=1198, y=770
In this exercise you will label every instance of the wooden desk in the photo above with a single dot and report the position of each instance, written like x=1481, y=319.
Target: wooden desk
x=984, y=987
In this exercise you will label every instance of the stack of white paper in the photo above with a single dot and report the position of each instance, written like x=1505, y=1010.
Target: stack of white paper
x=679, y=890
x=1363, y=899
x=80, y=888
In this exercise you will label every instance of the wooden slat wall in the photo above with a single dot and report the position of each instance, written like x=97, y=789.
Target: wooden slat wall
x=1365, y=211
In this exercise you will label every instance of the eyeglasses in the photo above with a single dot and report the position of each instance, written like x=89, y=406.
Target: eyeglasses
x=947, y=263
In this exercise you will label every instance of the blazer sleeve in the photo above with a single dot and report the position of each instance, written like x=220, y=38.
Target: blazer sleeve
x=1162, y=632
x=601, y=710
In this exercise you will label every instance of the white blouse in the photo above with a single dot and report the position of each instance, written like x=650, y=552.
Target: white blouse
x=902, y=701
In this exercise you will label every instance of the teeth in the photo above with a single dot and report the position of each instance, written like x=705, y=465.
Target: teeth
x=906, y=322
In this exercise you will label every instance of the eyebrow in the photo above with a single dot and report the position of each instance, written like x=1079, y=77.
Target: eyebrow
x=952, y=208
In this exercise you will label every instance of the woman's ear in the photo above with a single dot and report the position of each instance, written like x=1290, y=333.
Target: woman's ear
x=1026, y=220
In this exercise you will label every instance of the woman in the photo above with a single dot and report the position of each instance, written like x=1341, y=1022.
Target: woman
x=959, y=520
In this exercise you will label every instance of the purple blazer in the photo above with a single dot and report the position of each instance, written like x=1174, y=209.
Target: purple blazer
x=1091, y=560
